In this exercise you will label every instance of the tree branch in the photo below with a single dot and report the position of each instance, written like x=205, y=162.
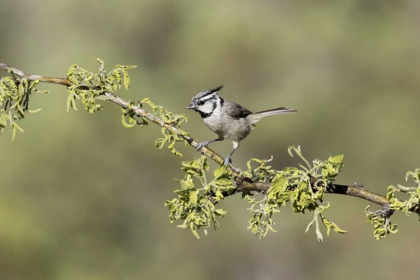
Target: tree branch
x=125, y=104
x=243, y=184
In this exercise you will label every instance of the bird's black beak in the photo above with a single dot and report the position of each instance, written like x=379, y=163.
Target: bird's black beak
x=191, y=106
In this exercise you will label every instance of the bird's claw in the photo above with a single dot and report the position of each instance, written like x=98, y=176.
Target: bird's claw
x=202, y=145
x=227, y=161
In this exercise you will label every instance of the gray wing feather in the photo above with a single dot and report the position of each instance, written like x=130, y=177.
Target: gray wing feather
x=236, y=111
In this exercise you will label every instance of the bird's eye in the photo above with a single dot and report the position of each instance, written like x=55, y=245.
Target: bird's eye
x=199, y=103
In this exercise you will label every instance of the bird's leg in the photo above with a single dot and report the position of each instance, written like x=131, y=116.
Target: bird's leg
x=227, y=159
x=205, y=143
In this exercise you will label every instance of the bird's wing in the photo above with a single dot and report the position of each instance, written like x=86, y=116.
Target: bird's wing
x=236, y=111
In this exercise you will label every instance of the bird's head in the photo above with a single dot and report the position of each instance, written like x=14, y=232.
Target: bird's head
x=206, y=102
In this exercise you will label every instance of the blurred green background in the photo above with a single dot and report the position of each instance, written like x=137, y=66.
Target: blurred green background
x=82, y=197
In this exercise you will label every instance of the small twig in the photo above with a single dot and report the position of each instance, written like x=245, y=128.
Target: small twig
x=357, y=191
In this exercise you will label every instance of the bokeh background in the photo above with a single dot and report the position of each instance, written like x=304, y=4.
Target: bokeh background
x=81, y=197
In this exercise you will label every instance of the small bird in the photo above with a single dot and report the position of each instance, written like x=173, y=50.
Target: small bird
x=228, y=119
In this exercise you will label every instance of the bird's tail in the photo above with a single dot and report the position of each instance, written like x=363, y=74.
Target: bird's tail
x=255, y=117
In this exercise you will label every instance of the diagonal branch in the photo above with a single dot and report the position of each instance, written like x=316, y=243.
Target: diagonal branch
x=125, y=104
x=243, y=184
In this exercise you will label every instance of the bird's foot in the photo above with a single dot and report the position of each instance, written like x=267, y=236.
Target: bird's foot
x=202, y=144
x=227, y=161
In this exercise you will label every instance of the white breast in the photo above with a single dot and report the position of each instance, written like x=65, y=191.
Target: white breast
x=216, y=123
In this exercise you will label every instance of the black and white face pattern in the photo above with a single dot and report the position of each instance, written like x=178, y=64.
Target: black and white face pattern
x=206, y=102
